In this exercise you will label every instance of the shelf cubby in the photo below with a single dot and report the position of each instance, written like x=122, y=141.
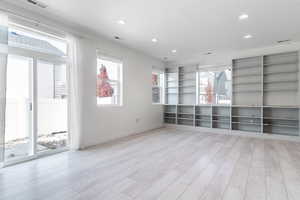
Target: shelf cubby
x=246, y=119
x=281, y=120
x=186, y=115
x=170, y=114
x=203, y=116
x=221, y=117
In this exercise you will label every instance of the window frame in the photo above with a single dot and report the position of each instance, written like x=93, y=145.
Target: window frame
x=161, y=86
x=118, y=83
x=213, y=69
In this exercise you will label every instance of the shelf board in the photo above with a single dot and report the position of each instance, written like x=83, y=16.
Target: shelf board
x=185, y=114
x=201, y=120
x=284, y=81
x=247, y=67
x=203, y=115
x=221, y=121
x=171, y=93
x=285, y=72
x=220, y=115
x=248, y=117
x=170, y=112
x=282, y=126
x=187, y=86
x=187, y=79
x=181, y=118
x=284, y=119
x=245, y=75
x=247, y=83
x=284, y=63
x=180, y=93
x=246, y=106
x=281, y=107
x=170, y=117
x=280, y=90
x=191, y=72
x=247, y=123
x=171, y=80
x=245, y=91
x=172, y=87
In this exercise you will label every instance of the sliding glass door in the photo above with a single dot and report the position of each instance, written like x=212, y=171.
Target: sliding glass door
x=18, y=112
x=36, y=114
x=52, y=106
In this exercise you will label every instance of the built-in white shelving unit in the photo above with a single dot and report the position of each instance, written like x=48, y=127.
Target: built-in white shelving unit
x=265, y=97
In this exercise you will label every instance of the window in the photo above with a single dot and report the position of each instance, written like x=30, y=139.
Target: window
x=215, y=86
x=28, y=39
x=109, y=81
x=157, y=87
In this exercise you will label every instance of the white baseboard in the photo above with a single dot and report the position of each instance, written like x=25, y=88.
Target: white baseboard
x=233, y=132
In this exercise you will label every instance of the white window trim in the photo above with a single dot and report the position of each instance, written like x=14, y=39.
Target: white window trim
x=162, y=86
x=119, y=82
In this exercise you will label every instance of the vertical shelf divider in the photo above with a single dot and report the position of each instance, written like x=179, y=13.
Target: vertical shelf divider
x=262, y=95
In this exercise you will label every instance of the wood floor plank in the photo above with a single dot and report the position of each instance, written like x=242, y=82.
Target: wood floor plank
x=236, y=188
x=276, y=189
x=256, y=184
x=290, y=171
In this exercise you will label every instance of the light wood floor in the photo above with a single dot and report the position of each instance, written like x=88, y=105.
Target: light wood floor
x=166, y=165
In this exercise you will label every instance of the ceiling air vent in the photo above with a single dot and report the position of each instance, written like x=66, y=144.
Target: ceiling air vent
x=37, y=3
x=283, y=41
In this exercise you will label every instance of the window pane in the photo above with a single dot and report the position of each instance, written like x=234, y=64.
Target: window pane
x=18, y=115
x=156, y=95
x=222, y=87
x=20, y=38
x=157, y=85
x=206, y=80
x=108, y=82
x=112, y=68
x=215, y=87
x=155, y=79
x=52, y=102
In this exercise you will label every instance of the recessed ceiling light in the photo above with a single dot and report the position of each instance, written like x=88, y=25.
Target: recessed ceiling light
x=248, y=36
x=174, y=51
x=154, y=40
x=122, y=22
x=243, y=16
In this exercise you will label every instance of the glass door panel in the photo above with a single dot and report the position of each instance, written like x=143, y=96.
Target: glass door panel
x=52, y=106
x=18, y=113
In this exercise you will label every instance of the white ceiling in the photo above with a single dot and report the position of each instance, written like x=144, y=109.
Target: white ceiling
x=191, y=27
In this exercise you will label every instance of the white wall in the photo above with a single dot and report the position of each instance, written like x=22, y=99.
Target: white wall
x=101, y=124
